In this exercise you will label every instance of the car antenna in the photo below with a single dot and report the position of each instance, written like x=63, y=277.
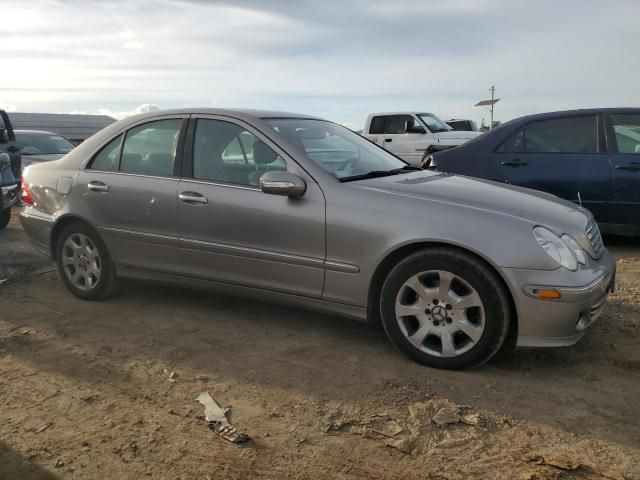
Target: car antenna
x=579, y=199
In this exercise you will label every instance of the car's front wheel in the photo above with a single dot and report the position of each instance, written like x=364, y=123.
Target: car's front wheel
x=5, y=217
x=84, y=263
x=445, y=308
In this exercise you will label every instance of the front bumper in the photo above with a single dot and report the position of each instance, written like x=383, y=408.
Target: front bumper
x=9, y=196
x=561, y=322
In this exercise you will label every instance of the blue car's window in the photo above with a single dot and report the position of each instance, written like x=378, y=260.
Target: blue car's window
x=562, y=135
x=627, y=131
x=513, y=144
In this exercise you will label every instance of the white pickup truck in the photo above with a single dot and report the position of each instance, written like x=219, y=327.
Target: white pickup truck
x=409, y=135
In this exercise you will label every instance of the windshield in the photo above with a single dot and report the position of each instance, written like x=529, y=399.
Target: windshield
x=434, y=123
x=338, y=150
x=43, y=144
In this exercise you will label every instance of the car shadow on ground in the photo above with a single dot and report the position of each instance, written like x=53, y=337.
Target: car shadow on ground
x=14, y=466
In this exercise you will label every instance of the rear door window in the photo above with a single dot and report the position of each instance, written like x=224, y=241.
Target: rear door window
x=563, y=135
x=150, y=148
x=626, y=128
x=513, y=144
x=377, y=125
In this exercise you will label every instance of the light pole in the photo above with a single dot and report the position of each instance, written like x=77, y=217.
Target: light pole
x=489, y=103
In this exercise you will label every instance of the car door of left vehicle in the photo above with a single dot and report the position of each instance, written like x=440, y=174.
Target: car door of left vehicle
x=232, y=232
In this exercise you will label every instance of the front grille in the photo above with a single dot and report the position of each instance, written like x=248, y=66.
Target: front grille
x=595, y=239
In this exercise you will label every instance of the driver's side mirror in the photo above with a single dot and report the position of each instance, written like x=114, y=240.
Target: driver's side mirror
x=4, y=138
x=410, y=127
x=280, y=182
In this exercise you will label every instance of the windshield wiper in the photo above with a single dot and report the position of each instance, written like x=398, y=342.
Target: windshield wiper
x=381, y=173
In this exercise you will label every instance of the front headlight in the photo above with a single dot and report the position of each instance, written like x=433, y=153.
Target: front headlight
x=556, y=248
x=575, y=248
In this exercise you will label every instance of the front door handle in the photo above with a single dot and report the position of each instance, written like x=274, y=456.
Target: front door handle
x=633, y=166
x=388, y=139
x=515, y=163
x=192, y=197
x=95, y=186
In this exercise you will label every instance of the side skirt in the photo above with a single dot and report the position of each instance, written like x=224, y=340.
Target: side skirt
x=350, y=311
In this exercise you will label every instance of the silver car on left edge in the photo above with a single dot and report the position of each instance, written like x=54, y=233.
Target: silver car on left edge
x=296, y=209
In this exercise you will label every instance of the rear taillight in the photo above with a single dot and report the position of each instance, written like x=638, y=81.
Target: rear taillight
x=25, y=194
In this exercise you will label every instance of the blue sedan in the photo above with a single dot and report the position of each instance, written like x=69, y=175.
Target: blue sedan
x=590, y=157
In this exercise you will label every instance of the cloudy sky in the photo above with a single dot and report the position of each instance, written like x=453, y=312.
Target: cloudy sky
x=337, y=59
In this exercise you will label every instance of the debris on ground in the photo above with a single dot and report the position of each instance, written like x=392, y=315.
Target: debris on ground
x=171, y=376
x=44, y=427
x=217, y=418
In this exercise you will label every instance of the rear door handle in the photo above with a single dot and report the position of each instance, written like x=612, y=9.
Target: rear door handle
x=388, y=139
x=192, y=197
x=515, y=163
x=633, y=166
x=98, y=186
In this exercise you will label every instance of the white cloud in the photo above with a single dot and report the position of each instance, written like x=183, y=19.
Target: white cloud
x=147, y=107
x=336, y=59
x=133, y=45
x=9, y=107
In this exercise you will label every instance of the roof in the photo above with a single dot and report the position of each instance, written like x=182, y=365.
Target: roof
x=409, y=112
x=35, y=131
x=579, y=111
x=240, y=113
x=74, y=126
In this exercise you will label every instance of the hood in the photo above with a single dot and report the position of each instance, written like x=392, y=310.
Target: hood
x=29, y=159
x=538, y=208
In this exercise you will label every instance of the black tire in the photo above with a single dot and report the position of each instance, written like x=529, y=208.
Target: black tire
x=488, y=286
x=5, y=218
x=107, y=283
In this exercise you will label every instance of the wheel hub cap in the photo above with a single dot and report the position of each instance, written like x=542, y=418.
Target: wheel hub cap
x=439, y=313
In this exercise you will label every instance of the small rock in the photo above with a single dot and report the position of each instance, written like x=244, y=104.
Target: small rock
x=446, y=416
x=471, y=419
x=59, y=463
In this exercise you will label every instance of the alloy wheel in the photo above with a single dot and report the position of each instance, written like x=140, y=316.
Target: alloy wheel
x=81, y=261
x=440, y=313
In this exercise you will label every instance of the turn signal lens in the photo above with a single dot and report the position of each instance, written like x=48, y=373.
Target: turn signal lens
x=548, y=294
x=25, y=194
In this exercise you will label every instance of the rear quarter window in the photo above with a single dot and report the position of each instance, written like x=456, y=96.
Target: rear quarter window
x=108, y=157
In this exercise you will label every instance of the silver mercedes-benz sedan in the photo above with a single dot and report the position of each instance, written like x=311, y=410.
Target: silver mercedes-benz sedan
x=297, y=209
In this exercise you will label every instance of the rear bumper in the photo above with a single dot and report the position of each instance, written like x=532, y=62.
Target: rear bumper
x=38, y=228
x=8, y=196
x=561, y=322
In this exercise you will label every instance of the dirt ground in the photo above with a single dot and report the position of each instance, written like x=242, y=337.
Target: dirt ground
x=107, y=390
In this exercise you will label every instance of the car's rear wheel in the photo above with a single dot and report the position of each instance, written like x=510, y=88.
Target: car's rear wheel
x=84, y=263
x=5, y=217
x=445, y=308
